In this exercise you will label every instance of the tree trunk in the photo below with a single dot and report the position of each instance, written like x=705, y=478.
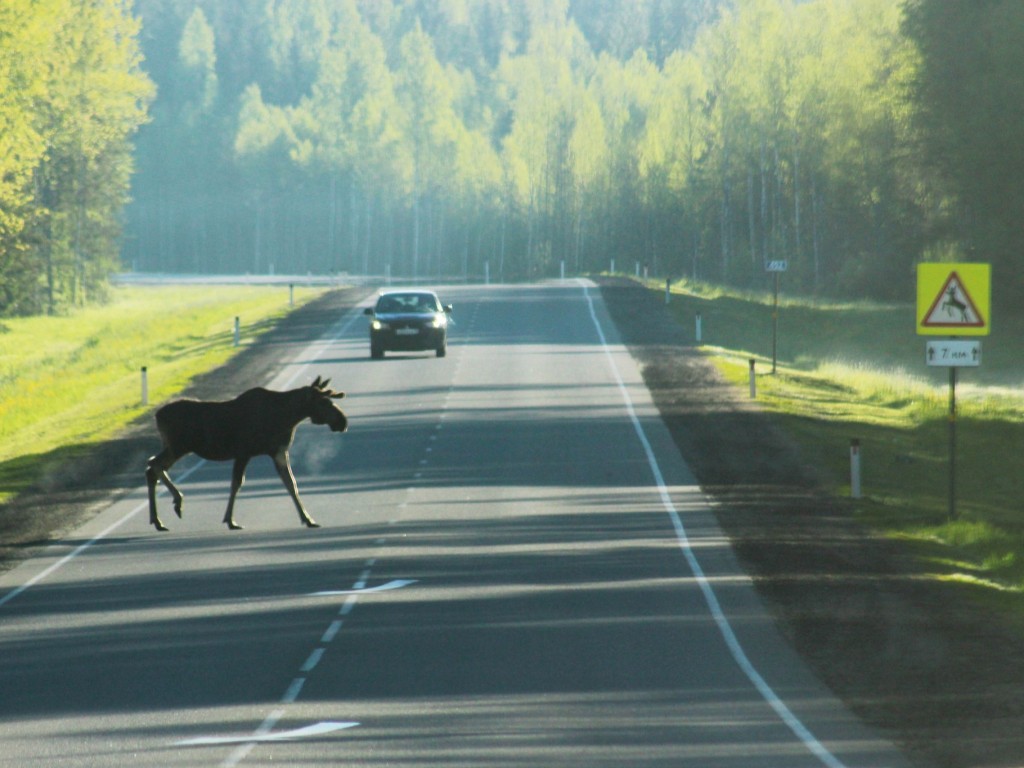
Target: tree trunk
x=750, y=218
x=796, y=200
x=765, y=244
x=815, y=242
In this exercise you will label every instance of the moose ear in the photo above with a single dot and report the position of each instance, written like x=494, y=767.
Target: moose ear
x=321, y=383
x=337, y=395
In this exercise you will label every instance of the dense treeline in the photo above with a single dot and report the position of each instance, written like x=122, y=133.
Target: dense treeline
x=331, y=135
x=969, y=94
x=850, y=138
x=695, y=138
x=71, y=95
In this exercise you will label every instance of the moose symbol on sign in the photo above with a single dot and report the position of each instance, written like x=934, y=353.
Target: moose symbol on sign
x=952, y=304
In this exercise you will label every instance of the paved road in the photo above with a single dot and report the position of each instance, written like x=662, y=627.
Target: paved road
x=515, y=568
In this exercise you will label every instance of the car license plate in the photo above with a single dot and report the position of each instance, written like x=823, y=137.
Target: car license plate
x=408, y=331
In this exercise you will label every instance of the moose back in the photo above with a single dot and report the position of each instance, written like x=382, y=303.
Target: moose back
x=259, y=422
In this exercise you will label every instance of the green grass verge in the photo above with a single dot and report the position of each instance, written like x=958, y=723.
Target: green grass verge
x=68, y=382
x=857, y=371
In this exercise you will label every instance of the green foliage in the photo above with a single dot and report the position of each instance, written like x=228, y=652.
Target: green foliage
x=70, y=381
x=197, y=57
x=848, y=137
x=23, y=37
x=71, y=95
x=857, y=370
x=699, y=139
x=970, y=100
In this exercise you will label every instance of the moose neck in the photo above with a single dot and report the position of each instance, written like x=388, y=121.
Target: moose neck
x=288, y=408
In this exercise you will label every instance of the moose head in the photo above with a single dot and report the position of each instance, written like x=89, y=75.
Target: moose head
x=322, y=410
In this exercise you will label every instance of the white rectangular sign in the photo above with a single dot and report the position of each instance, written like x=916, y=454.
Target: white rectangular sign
x=778, y=265
x=953, y=354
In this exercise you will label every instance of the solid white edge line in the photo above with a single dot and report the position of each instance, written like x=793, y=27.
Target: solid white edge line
x=83, y=547
x=724, y=627
x=330, y=337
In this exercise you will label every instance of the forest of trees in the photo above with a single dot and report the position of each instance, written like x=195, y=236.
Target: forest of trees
x=72, y=94
x=852, y=138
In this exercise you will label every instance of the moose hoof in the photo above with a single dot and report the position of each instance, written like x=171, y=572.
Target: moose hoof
x=177, y=509
x=235, y=526
x=160, y=526
x=312, y=524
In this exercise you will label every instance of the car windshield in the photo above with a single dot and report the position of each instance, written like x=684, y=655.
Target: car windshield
x=407, y=302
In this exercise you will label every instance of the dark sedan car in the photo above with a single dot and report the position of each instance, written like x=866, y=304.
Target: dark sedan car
x=408, y=321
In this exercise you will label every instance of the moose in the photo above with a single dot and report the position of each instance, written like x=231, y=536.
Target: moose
x=952, y=304
x=259, y=422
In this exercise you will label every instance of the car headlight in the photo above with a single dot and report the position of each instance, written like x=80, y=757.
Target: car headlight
x=377, y=325
x=439, y=321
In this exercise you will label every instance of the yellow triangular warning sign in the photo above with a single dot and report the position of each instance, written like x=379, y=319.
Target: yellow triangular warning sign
x=953, y=307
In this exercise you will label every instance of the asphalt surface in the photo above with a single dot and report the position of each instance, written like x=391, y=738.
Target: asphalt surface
x=515, y=568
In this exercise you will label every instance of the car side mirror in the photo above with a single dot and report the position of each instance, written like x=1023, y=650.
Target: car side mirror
x=448, y=308
x=368, y=311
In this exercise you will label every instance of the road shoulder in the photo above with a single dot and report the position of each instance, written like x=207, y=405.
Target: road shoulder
x=75, y=488
x=930, y=667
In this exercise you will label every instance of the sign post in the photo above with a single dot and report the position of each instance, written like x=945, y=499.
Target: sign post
x=777, y=267
x=953, y=300
x=952, y=443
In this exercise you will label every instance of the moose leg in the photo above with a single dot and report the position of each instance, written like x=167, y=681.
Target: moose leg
x=151, y=478
x=237, y=481
x=156, y=469
x=284, y=469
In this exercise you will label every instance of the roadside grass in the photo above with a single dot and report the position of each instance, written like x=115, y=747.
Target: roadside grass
x=67, y=382
x=848, y=371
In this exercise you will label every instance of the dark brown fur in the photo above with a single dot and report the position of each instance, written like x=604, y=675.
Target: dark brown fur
x=258, y=422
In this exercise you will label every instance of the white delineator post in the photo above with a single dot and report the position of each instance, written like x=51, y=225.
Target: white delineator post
x=855, y=469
